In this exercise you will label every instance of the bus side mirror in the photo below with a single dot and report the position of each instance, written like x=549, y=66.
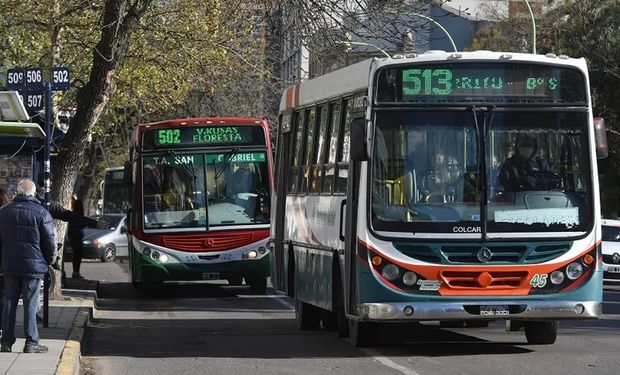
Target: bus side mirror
x=358, y=140
x=600, y=136
x=127, y=173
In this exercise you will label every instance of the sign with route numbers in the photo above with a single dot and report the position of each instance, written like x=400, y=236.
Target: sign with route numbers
x=30, y=84
x=33, y=79
x=61, y=78
x=15, y=79
x=33, y=101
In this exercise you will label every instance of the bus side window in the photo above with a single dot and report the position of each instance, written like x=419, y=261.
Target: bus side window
x=344, y=148
x=293, y=186
x=309, y=141
x=330, y=166
x=318, y=159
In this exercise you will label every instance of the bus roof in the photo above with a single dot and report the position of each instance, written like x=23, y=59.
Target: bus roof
x=339, y=82
x=356, y=77
x=207, y=120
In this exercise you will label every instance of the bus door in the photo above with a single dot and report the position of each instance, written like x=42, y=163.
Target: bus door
x=283, y=161
x=350, y=220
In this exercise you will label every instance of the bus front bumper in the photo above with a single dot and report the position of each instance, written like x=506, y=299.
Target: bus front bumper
x=483, y=310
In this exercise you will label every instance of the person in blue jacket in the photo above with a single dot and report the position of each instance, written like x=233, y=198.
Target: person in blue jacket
x=28, y=247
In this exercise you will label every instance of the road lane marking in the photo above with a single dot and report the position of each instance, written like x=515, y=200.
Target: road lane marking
x=389, y=363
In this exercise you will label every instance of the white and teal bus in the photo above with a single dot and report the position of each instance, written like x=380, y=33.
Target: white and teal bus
x=450, y=187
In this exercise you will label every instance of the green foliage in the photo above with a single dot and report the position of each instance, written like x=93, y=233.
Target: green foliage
x=182, y=52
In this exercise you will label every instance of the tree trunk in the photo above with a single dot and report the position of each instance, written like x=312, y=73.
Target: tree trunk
x=120, y=19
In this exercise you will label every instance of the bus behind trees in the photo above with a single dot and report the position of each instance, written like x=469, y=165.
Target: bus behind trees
x=113, y=191
x=200, y=200
x=450, y=187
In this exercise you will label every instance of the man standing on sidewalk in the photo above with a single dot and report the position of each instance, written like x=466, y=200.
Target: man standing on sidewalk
x=28, y=246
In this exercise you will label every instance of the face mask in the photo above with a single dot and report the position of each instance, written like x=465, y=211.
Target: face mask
x=526, y=152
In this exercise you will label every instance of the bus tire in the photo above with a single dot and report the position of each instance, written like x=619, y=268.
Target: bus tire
x=451, y=323
x=152, y=288
x=477, y=323
x=342, y=323
x=329, y=320
x=258, y=285
x=361, y=334
x=541, y=333
x=307, y=316
x=290, y=274
x=235, y=281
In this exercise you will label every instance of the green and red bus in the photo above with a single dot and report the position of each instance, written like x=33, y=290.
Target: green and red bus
x=199, y=201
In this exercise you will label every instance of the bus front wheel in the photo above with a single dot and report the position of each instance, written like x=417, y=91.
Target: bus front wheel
x=361, y=334
x=258, y=285
x=307, y=316
x=541, y=333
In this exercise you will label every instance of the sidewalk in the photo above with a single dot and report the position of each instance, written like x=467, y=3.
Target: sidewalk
x=67, y=319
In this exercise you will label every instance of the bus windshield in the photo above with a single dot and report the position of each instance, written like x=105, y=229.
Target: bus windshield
x=205, y=189
x=427, y=169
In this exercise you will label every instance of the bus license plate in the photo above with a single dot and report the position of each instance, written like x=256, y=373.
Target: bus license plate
x=613, y=269
x=494, y=310
x=210, y=275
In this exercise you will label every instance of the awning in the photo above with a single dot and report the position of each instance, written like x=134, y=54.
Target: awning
x=21, y=129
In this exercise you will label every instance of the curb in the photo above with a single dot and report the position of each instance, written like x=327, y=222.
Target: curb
x=69, y=363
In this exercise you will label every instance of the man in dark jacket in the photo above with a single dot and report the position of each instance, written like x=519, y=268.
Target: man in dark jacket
x=28, y=247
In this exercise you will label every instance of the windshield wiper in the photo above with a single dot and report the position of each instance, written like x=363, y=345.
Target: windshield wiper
x=187, y=169
x=227, y=159
x=482, y=162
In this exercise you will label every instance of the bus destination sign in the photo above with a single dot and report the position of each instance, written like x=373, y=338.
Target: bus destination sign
x=481, y=82
x=196, y=136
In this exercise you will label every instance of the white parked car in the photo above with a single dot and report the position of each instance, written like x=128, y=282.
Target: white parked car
x=611, y=249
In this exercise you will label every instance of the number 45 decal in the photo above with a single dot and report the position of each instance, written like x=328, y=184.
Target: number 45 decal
x=539, y=281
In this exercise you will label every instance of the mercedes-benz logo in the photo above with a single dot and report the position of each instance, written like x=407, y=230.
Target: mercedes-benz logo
x=615, y=258
x=484, y=255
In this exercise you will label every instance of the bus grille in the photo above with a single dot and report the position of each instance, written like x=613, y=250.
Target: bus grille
x=211, y=242
x=470, y=254
x=484, y=279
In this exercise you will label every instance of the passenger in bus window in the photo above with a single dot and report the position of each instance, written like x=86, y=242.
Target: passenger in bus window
x=439, y=181
x=527, y=169
x=240, y=181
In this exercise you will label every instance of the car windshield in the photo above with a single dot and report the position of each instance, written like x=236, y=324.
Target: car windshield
x=611, y=233
x=200, y=190
x=428, y=175
x=113, y=220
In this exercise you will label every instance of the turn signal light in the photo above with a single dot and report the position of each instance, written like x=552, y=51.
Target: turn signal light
x=376, y=261
x=588, y=259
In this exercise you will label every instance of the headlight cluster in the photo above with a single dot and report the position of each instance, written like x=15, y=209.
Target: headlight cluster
x=159, y=256
x=399, y=277
x=566, y=277
x=254, y=254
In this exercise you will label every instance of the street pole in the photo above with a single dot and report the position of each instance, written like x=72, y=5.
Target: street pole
x=47, y=176
x=533, y=26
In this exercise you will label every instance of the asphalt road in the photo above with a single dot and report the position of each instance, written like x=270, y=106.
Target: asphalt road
x=217, y=329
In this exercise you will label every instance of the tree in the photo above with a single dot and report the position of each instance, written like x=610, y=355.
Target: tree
x=137, y=45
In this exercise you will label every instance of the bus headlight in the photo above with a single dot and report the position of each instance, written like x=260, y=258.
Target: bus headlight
x=574, y=271
x=410, y=278
x=557, y=277
x=164, y=258
x=390, y=272
x=252, y=254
